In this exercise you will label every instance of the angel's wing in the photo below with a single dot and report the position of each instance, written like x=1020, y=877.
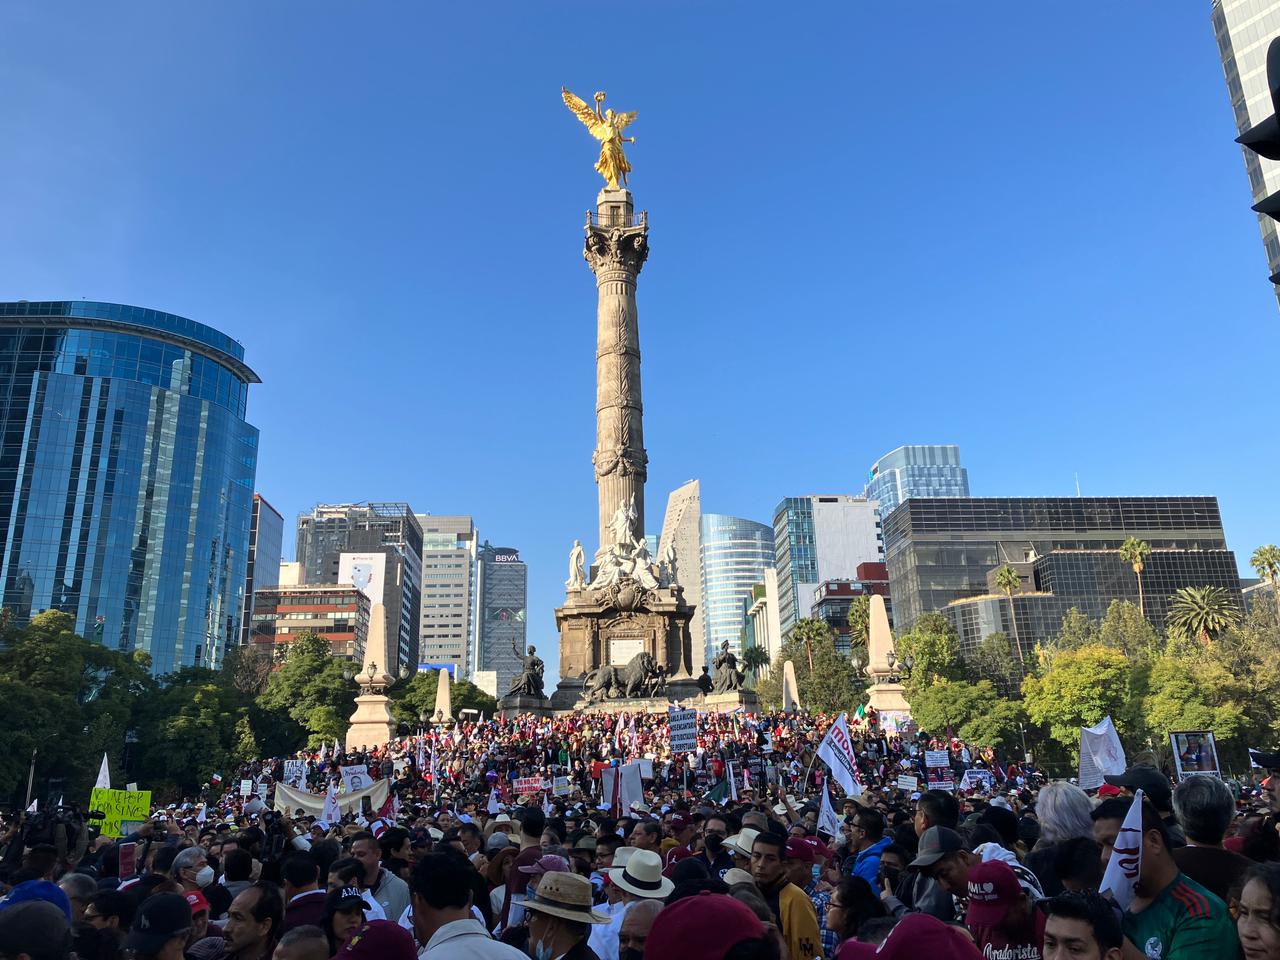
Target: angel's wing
x=583, y=112
x=624, y=120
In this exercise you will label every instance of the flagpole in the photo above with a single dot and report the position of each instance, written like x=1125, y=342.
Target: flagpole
x=31, y=776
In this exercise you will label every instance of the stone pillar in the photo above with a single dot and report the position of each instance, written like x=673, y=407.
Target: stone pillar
x=617, y=244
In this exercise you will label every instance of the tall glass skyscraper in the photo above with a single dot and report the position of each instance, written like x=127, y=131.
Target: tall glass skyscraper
x=917, y=470
x=1244, y=29
x=502, y=602
x=126, y=476
x=735, y=555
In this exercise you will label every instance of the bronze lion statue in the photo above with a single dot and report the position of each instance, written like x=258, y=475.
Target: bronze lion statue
x=633, y=680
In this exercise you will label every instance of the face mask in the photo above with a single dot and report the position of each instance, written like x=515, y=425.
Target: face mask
x=713, y=843
x=631, y=953
x=204, y=876
x=541, y=951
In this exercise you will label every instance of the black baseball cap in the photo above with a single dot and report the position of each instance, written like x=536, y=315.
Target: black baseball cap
x=345, y=898
x=936, y=843
x=36, y=928
x=159, y=919
x=1149, y=780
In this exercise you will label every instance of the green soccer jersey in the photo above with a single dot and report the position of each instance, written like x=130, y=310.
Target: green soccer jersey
x=1185, y=922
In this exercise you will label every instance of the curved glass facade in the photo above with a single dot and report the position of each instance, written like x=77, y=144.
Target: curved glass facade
x=735, y=555
x=126, y=476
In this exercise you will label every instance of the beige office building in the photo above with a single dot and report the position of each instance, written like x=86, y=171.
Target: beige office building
x=445, y=623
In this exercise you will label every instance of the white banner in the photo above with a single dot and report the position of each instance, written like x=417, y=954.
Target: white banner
x=827, y=820
x=356, y=777
x=1101, y=754
x=310, y=803
x=1126, y=857
x=684, y=730
x=836, y=751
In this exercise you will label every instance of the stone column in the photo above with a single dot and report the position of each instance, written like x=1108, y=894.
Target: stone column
x=617, y=244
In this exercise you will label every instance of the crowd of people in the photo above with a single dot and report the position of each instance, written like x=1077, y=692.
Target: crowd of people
x=501, y=839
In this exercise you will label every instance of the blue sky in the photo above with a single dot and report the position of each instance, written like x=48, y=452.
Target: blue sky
x=1020, y=229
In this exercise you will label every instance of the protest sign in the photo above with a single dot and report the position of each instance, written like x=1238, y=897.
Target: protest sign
x=527, y=785
x=355, y=777
x=937, y=764
x=977, y=780
x=909, y=784
x=646, y=769
x=295, y=773
x=262, y=790
x=1100, y=754
x=119, y=806
x=683, y=725
x=1194, y=752
x=836, y=751
x=246, y=788
x=937, y=758
x=128, y=860
x=560, y=786
x=314, y=805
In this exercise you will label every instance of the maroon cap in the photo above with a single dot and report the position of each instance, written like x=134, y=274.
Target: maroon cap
x=993, y=889
x=919, y=934
x=820, y=850
x=380, y=940
x=701, y=927
x=680, y=820
x=798, y=848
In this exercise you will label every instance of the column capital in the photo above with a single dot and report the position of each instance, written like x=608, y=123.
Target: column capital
x=620, y=251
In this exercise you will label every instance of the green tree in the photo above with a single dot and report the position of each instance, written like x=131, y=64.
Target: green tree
x=934, y=649
x=309, y=678
x=1135, y=552
x=1009, y=581
x=1078, y=630
x=860, y=620
x=1081, y=687
x=1266, y=561
x=249, y=669
x=830, y=686
x=1202, y=613
x=1125, y=628
x=417, y=697
x=754, y=659
x=993, y=660
x=1194, y=692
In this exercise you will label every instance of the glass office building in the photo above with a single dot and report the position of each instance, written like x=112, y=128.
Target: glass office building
x=502, y=604
x=735, y=555
x=126, y=476
x=1243, y=30
x=918, y=470
x=266, y=542
x=941, y=550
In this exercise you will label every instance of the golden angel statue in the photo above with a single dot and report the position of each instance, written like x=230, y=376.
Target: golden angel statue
x=606, y=127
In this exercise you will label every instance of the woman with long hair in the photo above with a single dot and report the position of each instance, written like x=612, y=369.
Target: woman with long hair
x=1258, y=912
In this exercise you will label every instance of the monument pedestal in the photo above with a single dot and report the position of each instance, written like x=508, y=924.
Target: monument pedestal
x=888, y=696
x=513, y=706
x=372, y=723
x=728, y=702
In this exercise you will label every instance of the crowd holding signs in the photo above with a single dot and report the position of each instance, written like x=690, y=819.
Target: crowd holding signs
x=815, y=825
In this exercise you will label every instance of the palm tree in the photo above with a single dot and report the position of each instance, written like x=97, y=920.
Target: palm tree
x=755, y=659
x=1009, y=580
x=860, y=621
x=1202, y=612
x=1266, y=561
x=1135, y=552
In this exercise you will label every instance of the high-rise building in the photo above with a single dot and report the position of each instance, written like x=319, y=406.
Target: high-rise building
x=126, y=476
x=916, y=470
x=941, y=554
x=448, y=592
x=1244, y=29
x=760, y=619
x=377, y=547
x=833, y=600
x=820, y=538
x=735, y=555
x=337, y=612
x=682, y=527
x=266, y=540
x=502, y=598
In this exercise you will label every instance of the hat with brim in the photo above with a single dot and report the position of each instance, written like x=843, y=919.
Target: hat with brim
x=568, y=896
x=344, y=899
x=642, y=876
x=936, y=843
x=743, y=841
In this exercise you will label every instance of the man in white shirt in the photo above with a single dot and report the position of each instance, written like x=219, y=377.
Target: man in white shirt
x=442, y=919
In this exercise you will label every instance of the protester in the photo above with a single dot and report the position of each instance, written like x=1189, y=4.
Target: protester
x=1258, y=913
x=1001, y=915
x=561, y=917
x=1062, y=813
x=391, y=893
x=161, y=928
x=1205, y=808
x=707, y=927
x=634, y=931
x=303, y=943
x=254, y=922
x=35, y=929
x=1171, y=915
x=794, y=911
x=1081, y=926
x=868, y=842
x=1155, y=786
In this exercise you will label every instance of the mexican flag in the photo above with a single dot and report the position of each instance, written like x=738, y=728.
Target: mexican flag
x=719, y=793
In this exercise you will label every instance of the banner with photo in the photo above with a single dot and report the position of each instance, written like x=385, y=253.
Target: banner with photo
x=300, y=801
x=1194, y=751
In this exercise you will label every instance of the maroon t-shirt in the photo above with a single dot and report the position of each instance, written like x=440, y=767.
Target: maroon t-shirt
x=519, y=882
x=995, y=943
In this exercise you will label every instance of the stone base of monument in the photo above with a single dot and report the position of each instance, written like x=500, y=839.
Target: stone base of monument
x=888, y=698
x=372, y=723
x=514, y=705
x=728, y=702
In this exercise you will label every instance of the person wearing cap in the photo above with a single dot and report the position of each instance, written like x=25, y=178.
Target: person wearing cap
x=683, y=832
x=561, y=916
x=160, y=928
x=1001, y=915
x=1081, y=926
x=550, y=863
x=801, y=856
x=917, y=890
x=1171, y=916
x=343, y=915
x=379, y=940
x=1156, y=788
x=36, y=930
x=794, y=911
x=705, y=927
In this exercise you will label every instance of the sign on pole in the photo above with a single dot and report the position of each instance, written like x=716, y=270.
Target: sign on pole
x=295, y=773
x=356, y=777
x=527, y=785
x=683, y=725
x=246, y=788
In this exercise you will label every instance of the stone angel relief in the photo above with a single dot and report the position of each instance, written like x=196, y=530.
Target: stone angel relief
x=606, y=127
